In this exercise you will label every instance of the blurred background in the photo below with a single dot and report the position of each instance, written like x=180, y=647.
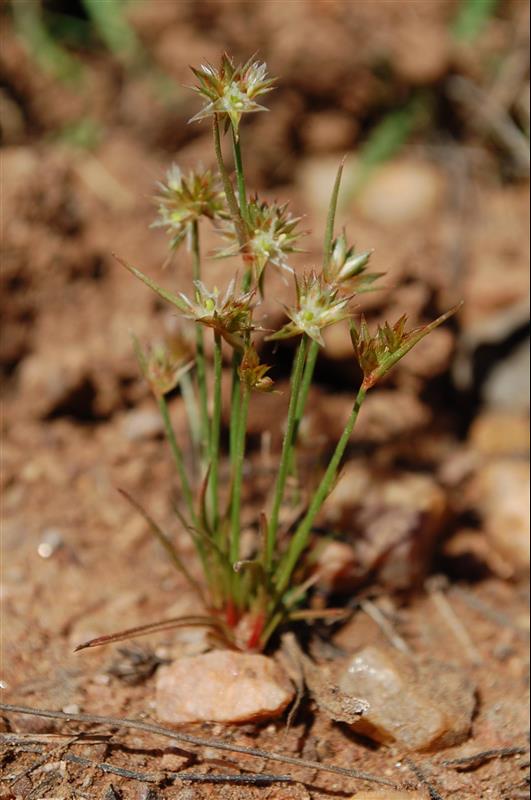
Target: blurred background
x=429, y=99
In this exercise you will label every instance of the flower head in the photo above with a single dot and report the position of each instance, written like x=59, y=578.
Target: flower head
x=183, y=200
x=272, y=236
x=319, y=305
x=378, y=353
x=231, y=90
x=252, y=373
x=347, y=266
x=229, y=315
x=163, y=365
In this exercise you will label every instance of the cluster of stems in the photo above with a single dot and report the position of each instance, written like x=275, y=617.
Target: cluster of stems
x=248, y=599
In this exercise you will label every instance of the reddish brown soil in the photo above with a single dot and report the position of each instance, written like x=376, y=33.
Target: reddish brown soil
x=71, y=390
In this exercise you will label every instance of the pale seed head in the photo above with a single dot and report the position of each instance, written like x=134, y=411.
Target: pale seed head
x=230, y=314
x=183, y=200
x=347, y=266
x=319, y=304
x=271, y=236
x=231, y=90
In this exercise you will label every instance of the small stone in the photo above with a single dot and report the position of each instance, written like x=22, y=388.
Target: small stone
x=142, y=424
x=507, y=386
x=419, y=706
x=71, y=708
x=401, y=517
x=402, y=192
x=51, y=541
x=502, y=493
x=470, y=547
x=424, y=65
x=499, y=433
x=54, y=385
x=336, y=566
x=222, y=686
x=316, y=175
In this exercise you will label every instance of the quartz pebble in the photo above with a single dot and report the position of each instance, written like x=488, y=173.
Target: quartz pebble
x=142, y=424
x=222, y=686
x=420, y=706
x=502, y=493
x=499, y=433
x=402, y=192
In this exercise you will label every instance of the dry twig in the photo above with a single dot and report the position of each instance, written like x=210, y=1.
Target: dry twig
x=491, y=115
x=416, y=770
x=476, y=604
x=246, y=779
x=453, y=622
x=197, y=741
x=372, y=611
x=477, y=759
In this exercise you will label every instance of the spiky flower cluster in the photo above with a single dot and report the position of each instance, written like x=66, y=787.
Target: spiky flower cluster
x=378, y=353
x=231, y=91
x=164, y=364
x=253, y=373
x=347, y=266
x=183, y=200
x=230, y=314
x=272, y=236
x=319, y=304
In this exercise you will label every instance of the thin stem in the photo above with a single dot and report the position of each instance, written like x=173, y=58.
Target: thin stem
x=215, y=434
x=237, y=476
x=313, y=352
x=190, y=403
x=200, y=347
x=168, y=545
x=177, y=456
x=240, y=177
x=300, y=538
x=236, y=211
x=228, y=188
x=234, y=407
x=286, y=452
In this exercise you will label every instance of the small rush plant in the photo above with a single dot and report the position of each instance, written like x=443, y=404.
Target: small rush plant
x=245, y=599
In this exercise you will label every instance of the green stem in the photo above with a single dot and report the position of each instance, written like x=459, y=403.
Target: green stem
x=177, y=457
x=246, y=282
x=286, y=452
x=240, y=178
x=190, y=403
x=200, y=348
x=234, y=407
x=215, y=435
x=301, y=535
x=227, y=186
x=313, y=352
x=237, y=476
